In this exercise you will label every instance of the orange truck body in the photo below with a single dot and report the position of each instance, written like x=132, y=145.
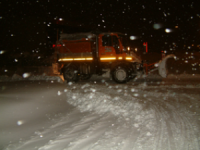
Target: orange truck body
x=89, y=53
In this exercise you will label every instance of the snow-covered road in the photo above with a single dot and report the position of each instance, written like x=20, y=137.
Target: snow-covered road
x=99, y=114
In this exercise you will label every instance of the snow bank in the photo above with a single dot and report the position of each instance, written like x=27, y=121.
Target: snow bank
x=90, y=99
x=29, y=76
x=184, y=76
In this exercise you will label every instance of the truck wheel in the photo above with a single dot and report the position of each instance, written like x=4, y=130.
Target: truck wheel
x=70, y=74
x=120, y=74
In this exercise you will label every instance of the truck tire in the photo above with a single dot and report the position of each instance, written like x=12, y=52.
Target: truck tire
x=120, y=74
x=70, y=74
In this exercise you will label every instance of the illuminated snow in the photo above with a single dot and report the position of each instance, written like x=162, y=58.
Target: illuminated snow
x=99, y=115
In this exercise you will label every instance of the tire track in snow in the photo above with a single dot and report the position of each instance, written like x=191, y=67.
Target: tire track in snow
x=42, y=136
x=90, y=138
x=79, y=132
x=189, y=132
x=162, y=121
x=116, y=136
x=192, y=134
x=70, y=133
x=166, y=111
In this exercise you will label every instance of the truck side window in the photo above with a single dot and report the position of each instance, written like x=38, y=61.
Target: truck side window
x=115, y=44
x=106, y=40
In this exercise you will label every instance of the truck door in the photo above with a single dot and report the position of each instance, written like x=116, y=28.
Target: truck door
x=109, y=47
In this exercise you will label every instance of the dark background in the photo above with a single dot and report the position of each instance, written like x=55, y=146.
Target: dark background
x=30, y=27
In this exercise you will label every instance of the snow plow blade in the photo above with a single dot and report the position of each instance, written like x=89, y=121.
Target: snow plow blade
x=162, y=70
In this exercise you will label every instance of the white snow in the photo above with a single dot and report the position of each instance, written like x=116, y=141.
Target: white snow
x=44, y=113
x=162, y=66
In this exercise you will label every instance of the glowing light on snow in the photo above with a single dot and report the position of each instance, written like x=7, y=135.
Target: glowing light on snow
x=157, y=26
x=120, y=90
x=136, y=125
x=149, y=134
x=93, y=90
x=167, y=30
x=20, y=122
x=116, y=98
x=59, y=93
x=60, y=19
x=133, y=37
x=26, y=75
x=6, y=70
x=132, y=90
x=91, y=96
x=16, y=60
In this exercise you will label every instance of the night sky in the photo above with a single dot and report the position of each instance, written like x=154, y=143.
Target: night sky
x=32, y=25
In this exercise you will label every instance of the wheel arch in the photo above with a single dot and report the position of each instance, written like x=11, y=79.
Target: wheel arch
x=69, y=64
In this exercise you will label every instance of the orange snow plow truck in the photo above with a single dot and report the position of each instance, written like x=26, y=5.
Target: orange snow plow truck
x=81, y=55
